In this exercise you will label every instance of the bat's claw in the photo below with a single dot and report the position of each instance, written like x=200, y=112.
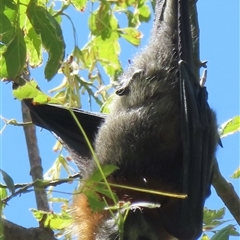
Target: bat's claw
x=180, y=62
x=203, y=64
x=203, y=79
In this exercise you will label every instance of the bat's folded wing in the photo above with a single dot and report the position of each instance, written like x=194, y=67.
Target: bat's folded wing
x=199, y=137
x=59, y=120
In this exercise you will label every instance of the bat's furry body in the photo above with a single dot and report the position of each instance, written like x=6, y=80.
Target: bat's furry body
x=150, y=135
x=143, y=135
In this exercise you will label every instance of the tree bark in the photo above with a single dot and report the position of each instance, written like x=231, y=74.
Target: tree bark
x=15, y=232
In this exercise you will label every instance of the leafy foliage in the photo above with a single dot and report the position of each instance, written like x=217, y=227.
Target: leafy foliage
x=45, y=25
x=29, y=26
x=212, y=220
x=55, y=221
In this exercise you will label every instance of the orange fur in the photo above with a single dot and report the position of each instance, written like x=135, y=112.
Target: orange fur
x=85, y=221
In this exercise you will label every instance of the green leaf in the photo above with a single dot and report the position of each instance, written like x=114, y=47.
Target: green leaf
x=131, y=3
x=133, y=19
x=92, y=186
x=3, y=195
x=80, y=5
x=229, y=127
x=236, y=174
x=96, y=204
x=13, y=57
x=105, y=106
x=223, y=234
x=101, y=188
x=132, y=35
x=213, y=218
x=144, y=13
x=8, y=16
x=141, y=2
x=107, y=170
x=30, y=90
x=8, y=180
x=52, y=220
x=105, y=51
x=234, y=232
x=64, y=163
x=103, y=22
x=23, y=19
x=205, y=237
x=51, y=34
x=34, y=47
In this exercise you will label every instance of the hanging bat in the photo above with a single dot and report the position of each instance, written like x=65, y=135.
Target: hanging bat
x=161, y=133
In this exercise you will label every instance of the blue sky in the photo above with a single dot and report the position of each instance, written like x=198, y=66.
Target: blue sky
x=219, y=39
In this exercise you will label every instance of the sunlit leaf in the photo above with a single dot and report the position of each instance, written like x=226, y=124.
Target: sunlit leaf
x=30, y=90
x=3, y=194
x=23, y=19
x=105, y=107
x=230, y=127
x=34, y=48
x=131, y=2
x=103, y=22
x=64, y=163
x=80, y=5
x=51, y=34
x=236, y=174
x=105, y=51
x=132, y=35
x=133, y=19
x=144, y=13
x=205, y=237
x=52, y=220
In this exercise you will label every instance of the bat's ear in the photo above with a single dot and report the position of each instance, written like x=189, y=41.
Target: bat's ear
x=122, y=91
x=125, y=88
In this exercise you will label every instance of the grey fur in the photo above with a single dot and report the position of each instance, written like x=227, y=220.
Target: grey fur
x=142, y=134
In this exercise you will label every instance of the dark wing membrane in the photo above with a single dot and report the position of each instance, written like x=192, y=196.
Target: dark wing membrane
x=196, y=118
x=59, y=120
x=197, y=164
x=185, y=217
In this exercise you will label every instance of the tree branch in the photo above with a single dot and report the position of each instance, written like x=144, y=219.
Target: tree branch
x=35, y=161
x=226, y=192
x=16, y=232
x=38, y=185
